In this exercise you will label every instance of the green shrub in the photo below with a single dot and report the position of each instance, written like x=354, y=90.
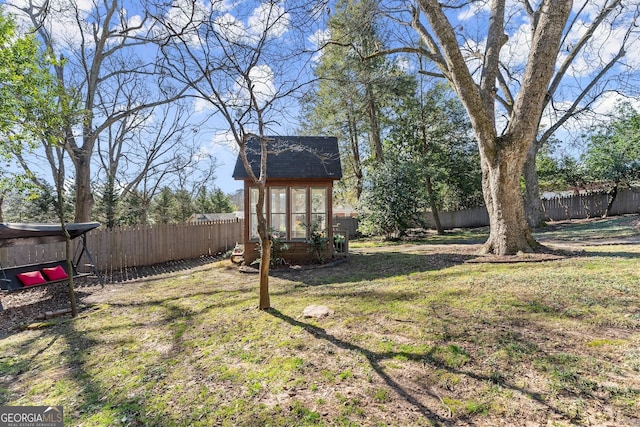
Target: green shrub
x=318, y=242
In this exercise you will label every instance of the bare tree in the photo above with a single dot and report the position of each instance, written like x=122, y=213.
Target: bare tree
x=612, y=26
x=100, y=65
x=505, y=100
x=244, y=62
x=148, y=144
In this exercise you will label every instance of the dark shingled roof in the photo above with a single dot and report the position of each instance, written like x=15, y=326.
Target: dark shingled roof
x=294, y=157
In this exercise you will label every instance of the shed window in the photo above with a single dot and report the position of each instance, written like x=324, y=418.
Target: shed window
x=319, y=208
x=299, y=213
x=253, y=217
x=292, y=211
x=278, y=210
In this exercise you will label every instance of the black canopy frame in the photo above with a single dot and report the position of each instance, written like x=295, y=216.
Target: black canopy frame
x=19, y=234
x=16, y=234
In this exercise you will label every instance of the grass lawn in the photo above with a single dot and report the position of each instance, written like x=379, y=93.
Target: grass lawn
x=418, y=337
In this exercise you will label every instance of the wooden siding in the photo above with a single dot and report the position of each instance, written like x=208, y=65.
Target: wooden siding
x=297, y=252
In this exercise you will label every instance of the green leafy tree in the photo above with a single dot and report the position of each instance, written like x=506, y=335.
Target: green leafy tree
x=183, y=206
x=559, y=174
x=202, y=202
x=354, y=99
x=613, y=152
x=36, y=205
x=25, y=105
x=393, y=201
x=132, y=209
x=433, y=130
x=221, y=202
x=163, y=206
x=216, y=202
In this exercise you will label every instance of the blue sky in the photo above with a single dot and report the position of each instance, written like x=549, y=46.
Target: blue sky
x=471, y=17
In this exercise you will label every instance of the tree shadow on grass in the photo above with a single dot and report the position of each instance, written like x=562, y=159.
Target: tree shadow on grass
x=373, y=359
x=374, y=266
x=72, y=352
x=144, y=272
x=410, y=396
x=587, y=249
x=615, y=254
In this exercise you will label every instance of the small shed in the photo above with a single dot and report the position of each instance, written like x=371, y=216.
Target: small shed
x=298, y=200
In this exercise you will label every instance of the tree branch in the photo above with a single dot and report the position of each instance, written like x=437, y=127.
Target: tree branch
x=455, y=69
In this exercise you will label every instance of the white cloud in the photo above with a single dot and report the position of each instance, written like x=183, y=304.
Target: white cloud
x=552, y=113
x=318, y=40
x=473, y=51
x=404, y=64
x=516, y=50
x=607, y=103
x=61, y=20
x=224, y=139
x=270, y=19
x=184, y=17
x=601, y=111
x=602, y=47
x=589, y=9
x=200, y=105
x=473, y=10
x=134, y=24
x=232, y=29
x=263, y=88
x=62, y=23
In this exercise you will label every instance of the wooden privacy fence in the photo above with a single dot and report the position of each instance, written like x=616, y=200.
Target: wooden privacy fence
x=591, y=205
x=559, y=208
x=473, y=217
x=346, y=225
x=137, y=246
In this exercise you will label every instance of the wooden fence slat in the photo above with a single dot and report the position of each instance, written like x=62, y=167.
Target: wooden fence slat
x=559, y=208
x=125, y=247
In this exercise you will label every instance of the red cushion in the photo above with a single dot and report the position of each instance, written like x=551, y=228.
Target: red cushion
x=31, y=278
x=55, y=273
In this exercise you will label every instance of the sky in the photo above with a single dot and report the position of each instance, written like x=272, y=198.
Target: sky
x=246, y=24
x=226, y=155
x=604, y=46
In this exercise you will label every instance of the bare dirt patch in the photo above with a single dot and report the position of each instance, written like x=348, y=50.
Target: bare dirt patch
x=24, y=307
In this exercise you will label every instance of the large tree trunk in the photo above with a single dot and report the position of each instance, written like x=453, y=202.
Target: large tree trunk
x=84, y=197
x=612, y=198
x=434, y=207
x=503, y=153
x=532, y=203
x=374, y=126
x=509, y=231
x=265, y=251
